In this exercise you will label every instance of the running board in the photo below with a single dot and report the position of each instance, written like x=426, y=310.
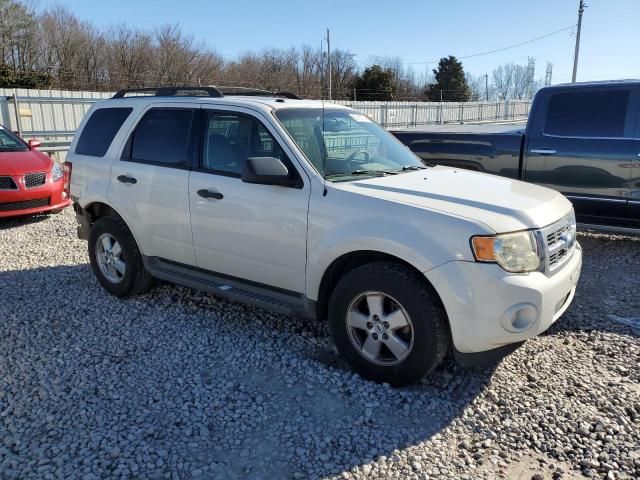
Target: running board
x=237, y=290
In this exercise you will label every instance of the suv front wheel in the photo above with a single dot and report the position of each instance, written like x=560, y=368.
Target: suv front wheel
x=115, y=258
x=388, y=323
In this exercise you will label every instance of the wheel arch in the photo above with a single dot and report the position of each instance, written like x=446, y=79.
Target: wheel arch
x=97, y=209
x=352, y=260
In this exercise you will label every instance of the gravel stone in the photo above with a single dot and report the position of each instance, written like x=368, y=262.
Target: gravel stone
x=179, y=384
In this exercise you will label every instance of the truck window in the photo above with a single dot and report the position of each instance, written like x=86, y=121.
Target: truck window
x=587, y=114
x=101, y=128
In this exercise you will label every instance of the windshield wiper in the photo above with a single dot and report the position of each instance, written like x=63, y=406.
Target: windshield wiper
x=406, y=168
x=363, y=172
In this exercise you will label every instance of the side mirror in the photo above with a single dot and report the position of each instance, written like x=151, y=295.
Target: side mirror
x=33, y=143
x=265, y=171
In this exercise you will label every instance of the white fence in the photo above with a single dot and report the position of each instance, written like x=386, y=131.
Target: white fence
x=52, y=116
x=409, y=114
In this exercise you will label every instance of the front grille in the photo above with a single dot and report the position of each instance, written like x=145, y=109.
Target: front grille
x=7, y=183
x=559, y=242
x=25, y=204
x=33, y=180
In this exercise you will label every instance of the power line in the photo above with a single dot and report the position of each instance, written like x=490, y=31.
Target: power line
x=503, y=48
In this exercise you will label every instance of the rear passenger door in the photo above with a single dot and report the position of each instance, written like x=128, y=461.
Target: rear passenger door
x=583, y=147
x=150, y=181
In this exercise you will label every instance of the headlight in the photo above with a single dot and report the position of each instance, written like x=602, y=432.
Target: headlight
x=514, y=252
x=56, y=172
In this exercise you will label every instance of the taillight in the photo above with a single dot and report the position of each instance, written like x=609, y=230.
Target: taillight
x=66, y=169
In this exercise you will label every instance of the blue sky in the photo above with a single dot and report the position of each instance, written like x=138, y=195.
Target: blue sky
x=417, y=31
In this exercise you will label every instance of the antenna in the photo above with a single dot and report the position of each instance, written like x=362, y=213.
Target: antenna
x=324, y=146
x=328, y=64
x=324, y=154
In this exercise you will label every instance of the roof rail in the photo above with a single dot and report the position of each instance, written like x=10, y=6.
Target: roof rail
x=208, y=91
x=256, y=92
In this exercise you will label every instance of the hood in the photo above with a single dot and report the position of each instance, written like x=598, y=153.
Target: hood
x=19, y=163
x=502, y=204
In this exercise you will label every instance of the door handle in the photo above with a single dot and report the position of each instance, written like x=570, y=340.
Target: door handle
x=626, y=165
x=127, y=179
x=209, y=194
x=544, y=151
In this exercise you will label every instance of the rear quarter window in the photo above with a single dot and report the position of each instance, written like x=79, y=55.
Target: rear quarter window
x=587, y=114
x=99, y=131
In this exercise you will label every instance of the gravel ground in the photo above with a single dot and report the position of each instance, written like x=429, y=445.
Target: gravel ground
x=179, y=384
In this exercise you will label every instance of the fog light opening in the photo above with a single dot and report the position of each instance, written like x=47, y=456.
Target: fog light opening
x=520, y=318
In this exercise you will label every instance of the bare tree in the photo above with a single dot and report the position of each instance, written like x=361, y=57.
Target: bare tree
x=502, y=80
x=18, y=37
x=129, y=56
x=477, y=84
x=78, y=55
x=343, y=72
x=513, y=81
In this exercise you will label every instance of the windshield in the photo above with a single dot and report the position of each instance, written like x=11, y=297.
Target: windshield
x=345, y=144
x=10, y=142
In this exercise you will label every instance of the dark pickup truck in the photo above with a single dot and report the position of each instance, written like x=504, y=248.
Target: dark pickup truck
x=580, y=139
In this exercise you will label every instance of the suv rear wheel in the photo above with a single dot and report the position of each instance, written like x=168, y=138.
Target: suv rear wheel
x=115, y=258
x=388, y=323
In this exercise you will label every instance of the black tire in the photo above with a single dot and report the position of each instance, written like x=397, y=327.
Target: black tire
x=430, y=330
x=136, y=279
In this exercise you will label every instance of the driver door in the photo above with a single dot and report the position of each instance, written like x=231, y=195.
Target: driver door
x=247, y=231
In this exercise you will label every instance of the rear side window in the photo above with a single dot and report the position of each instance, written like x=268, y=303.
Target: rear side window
x=587, y=114
x=162, y=137
x=99, y=131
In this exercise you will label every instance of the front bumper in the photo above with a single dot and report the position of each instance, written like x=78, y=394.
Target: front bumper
x=42, y=199
x=480, y=301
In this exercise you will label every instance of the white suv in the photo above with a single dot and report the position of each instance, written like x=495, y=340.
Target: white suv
x=312, y=209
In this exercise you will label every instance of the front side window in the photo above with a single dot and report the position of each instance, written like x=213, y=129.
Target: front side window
x=162, y=137
x=230, y=138
x=9, y=142
x=587, y=114
x=100, y=130
x=343, y=144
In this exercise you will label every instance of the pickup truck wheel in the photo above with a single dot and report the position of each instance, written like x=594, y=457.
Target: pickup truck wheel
x=388, y=323
x=115, y=258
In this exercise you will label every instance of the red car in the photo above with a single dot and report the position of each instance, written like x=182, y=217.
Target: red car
x=30, y=181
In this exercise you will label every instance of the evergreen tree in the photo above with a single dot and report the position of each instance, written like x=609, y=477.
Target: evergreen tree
x=450, y=82
x=375, y=83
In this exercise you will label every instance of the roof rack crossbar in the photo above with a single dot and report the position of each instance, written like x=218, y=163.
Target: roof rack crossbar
x=169, y=91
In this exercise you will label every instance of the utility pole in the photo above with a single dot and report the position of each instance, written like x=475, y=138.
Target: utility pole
x=329, y=61
x=486, y=86
x=575, y=55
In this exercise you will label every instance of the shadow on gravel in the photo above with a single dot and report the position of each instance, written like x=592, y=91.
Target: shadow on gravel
x=178, y=383
x=608, y=294
x=15, y=222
